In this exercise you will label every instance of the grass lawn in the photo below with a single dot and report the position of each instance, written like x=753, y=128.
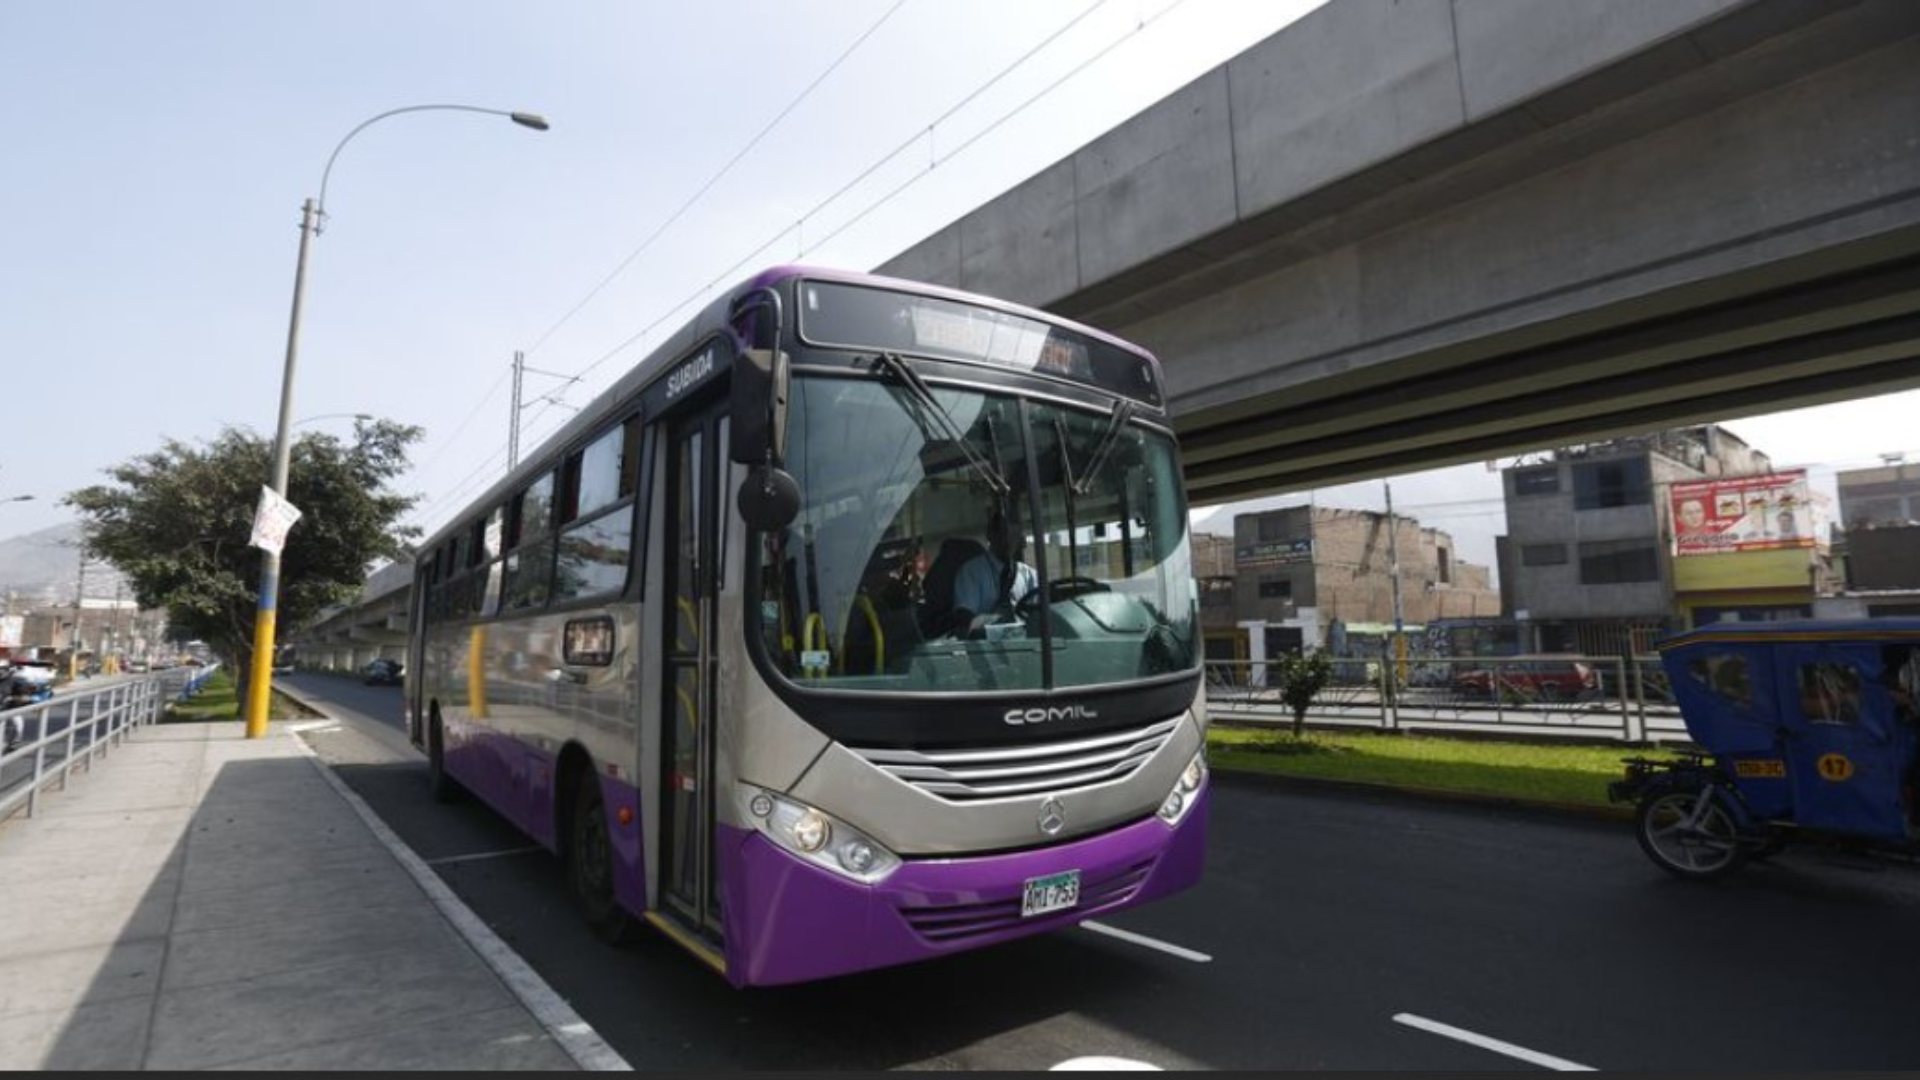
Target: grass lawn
x=1529, y=771
x=219, y=699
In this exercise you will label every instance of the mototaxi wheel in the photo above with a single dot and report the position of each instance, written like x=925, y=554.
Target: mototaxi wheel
x=1704, y=849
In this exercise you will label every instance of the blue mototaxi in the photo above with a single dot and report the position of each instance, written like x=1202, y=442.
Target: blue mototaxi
x=1805, y=727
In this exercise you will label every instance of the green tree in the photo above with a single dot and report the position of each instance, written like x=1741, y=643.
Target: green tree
x=176, y=522
x=1302, y=676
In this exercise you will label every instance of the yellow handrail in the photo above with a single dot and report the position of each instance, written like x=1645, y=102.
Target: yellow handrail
x=806, y=642
x=879, y=638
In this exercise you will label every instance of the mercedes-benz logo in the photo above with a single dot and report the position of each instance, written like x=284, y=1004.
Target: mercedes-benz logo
x=1053, y=817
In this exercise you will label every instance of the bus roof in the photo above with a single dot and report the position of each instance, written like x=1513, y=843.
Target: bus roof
x=709, y=320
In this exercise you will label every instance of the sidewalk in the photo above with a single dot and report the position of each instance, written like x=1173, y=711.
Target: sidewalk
x=202, y=900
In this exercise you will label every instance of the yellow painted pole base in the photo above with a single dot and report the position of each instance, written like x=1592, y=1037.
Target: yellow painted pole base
x=260, y=682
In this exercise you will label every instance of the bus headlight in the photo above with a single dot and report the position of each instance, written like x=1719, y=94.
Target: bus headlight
x=818, y=837
x=1180, y=799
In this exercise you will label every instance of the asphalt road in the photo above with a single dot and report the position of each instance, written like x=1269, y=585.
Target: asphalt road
x=16, y=772
x=1325, y=917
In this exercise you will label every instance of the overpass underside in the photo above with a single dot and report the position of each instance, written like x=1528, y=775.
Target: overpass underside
x=1398, y=236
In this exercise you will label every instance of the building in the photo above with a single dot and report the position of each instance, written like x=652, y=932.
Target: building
x=1594, y=562
x=1877, y=553
x=1320, y=577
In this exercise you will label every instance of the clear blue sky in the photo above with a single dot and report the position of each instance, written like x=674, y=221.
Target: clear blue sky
x=158, y=154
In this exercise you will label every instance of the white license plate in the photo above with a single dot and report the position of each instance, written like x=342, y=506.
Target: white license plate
x=1055, y=892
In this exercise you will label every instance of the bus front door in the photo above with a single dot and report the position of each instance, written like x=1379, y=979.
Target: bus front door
x=696, y=459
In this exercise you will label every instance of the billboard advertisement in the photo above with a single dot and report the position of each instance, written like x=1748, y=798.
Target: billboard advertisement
x=1743, y=513
x=12, y=630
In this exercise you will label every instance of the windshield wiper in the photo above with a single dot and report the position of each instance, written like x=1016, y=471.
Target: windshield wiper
x=926, y=411
x=1109, y=438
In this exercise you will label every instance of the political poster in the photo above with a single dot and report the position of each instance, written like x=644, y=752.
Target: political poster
x=1765, y=512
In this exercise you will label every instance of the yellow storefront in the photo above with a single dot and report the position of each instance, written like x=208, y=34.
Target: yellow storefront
x=1745, y=586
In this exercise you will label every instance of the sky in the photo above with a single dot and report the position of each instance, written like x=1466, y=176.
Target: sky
x=158, y=155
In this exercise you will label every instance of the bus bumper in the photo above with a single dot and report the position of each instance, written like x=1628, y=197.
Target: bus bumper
x=788, y=921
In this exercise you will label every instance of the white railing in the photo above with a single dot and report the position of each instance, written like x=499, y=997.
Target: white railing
x=44, y=742
x=1623, y=698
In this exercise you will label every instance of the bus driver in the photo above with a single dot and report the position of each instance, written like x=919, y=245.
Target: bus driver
x=980, y=586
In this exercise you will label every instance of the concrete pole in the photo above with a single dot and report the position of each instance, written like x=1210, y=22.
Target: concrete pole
x=260, y=678
x=513, y=417
x=1393, y=572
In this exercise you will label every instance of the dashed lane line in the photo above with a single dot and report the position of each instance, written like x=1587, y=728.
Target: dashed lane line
x=1487, y=1042
x=1143, y=940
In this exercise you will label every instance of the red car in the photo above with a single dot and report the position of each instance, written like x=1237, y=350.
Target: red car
x=1533, y=678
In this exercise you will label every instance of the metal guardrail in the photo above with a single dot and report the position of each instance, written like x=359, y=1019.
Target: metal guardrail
x=90, y=722
x=1624, y=698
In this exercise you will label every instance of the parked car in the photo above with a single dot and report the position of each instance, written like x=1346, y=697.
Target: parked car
x=1541, y=677
x=382, y=672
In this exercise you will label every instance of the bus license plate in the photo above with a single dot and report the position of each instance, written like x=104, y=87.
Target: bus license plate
x=1055, y=892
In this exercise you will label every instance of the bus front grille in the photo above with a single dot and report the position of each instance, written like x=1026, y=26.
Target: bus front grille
x=953, y=923
x=1033, y=769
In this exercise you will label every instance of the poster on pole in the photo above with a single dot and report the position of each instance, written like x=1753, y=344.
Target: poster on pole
x=271, y=520
x=1766, y=512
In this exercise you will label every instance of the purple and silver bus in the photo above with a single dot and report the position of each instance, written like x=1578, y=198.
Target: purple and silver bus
x=854, y=626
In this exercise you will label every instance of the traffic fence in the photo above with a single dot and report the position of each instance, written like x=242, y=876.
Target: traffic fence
x=1623, y=698
x=46, y=741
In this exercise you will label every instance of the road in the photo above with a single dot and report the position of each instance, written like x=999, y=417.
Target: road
x=60, y=713
x=1325, y=918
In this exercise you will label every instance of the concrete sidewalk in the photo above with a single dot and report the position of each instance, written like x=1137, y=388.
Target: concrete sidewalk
x=203, y=900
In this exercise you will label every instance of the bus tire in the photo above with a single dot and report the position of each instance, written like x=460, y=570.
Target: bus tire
x=442, y=787
x=590, y=864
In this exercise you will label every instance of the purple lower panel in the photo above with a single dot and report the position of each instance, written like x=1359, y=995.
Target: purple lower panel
x=629, y=871
x=789, y=921
x=518, y=782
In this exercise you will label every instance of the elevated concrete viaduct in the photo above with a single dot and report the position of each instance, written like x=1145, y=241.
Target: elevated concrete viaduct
x=1406, y=234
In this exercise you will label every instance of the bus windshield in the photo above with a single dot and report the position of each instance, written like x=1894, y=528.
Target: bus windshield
x=929, y=522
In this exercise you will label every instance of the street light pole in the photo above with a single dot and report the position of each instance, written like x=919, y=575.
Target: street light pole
x=312, y=214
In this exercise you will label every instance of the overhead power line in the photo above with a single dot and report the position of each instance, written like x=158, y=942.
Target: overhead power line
x=701, y=192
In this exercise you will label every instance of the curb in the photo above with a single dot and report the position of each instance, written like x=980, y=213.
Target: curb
x=566, y=1027
x=1582, y=811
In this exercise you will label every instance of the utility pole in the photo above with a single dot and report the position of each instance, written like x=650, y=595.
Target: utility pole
x=1393, y=572
x=513, y=417
x=520, y=370
x=79, y=603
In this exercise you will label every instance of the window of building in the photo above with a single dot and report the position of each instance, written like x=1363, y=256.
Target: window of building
x=1539, y=480
x=1276, y=588
x=1275, y=527
x=1618, y=562
x=1446, y=565
x=1543, y=555
x=1599, y=485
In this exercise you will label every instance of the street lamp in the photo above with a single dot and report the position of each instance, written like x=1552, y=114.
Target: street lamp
x=312, y=214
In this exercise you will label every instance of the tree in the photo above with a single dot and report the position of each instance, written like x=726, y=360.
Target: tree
x=176, y=522
x=1302, y=676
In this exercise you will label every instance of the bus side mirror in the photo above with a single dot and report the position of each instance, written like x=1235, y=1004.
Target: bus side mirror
x=760, y=380
x=769, y=498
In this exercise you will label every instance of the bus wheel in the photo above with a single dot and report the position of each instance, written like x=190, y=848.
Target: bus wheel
x=590, y=864
x=444, y=788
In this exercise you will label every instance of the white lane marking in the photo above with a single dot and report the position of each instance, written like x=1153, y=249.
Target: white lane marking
x=478, y=855
x=1531, y=1057
x=1151, y=943
x=1104, y=1064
